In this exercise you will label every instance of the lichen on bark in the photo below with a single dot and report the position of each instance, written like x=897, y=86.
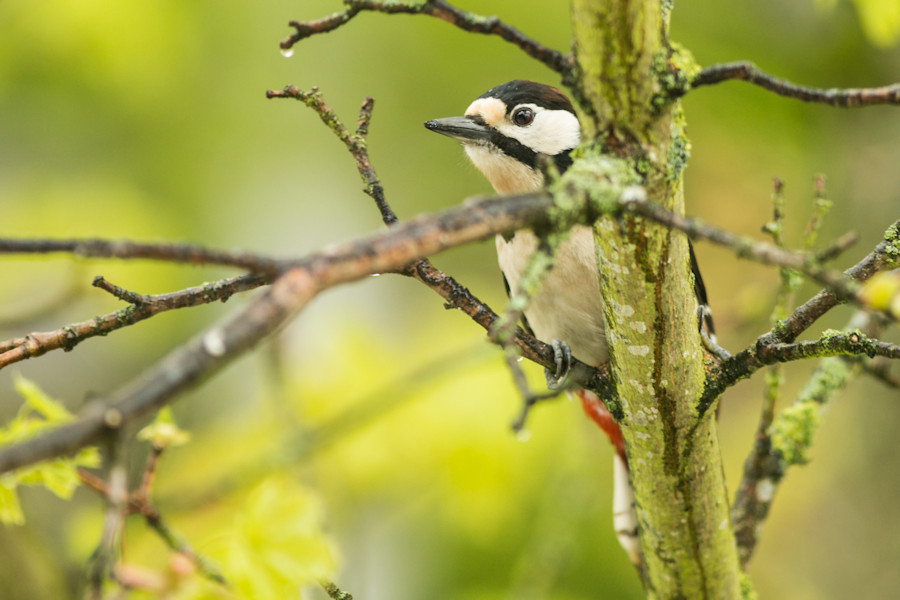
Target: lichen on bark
x=656, y=357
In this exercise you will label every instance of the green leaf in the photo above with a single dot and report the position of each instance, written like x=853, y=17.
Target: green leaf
x=163, y=432
x=10, y=509
x=278, y=545
x=44, y=405
x=60, y=475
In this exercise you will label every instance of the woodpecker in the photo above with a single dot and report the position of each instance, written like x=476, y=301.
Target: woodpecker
x=503, y=132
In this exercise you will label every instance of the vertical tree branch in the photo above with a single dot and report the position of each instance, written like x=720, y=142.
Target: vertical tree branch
x=656, y=356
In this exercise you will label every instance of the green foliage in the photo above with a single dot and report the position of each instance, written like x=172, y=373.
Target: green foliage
x=37, y=414
x=163, y=432
x=147, y=121
x=276, y=545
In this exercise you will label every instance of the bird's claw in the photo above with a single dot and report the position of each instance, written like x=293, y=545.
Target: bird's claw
x=562, y=357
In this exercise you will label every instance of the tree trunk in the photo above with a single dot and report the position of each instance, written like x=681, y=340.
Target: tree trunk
x=626, y=67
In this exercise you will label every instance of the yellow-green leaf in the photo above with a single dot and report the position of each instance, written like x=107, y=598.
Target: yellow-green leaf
x=163, y=432
x=10, y=509
x=47, y=407
x=60, y=475
x=880, y=19
x=278, y=545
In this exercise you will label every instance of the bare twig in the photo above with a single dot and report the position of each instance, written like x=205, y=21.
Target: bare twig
x=124, y=249
x=138, y=502
x=355, y=142
x=529, y=398
x=843, y=98
x=885, y=255
x=434, y=8
x=103, y=559
x=753, y=492
x=743, y=247
x=747, y=361
x=503, y=331
x=789, y=435
x=120, y=292
x=66, y=338
x=216, y=347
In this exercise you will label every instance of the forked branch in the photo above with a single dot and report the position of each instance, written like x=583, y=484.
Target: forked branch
x=434, y=8
x=142, y=307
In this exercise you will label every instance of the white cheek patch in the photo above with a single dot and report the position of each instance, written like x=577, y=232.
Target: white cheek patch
x=492, y=110
x=551, y=132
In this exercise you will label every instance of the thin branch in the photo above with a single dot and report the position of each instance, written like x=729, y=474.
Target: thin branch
x=744, y=247
x=831, y=344
x=434, y=8
x=838, y=97
x=755, y=463
x=146, y=306
x=124, y=249
x=788, y=437
x=752, y=502
x=504, y=329
x=747, y=361
x=529, y=398
x=103, y=559
x=355, y=142
x=120, y=292
x=138, y=502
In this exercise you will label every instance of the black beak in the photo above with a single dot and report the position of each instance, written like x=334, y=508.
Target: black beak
x=464, y=129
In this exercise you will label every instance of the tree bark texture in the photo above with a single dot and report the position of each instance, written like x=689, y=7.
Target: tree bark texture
x=656, y=355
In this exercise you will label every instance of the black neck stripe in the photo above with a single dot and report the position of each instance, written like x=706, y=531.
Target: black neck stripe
x=525, y=155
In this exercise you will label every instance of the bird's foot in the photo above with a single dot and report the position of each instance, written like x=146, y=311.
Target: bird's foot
x=562, y=357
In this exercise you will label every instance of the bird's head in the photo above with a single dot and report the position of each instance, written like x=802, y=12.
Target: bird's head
x=507, y=127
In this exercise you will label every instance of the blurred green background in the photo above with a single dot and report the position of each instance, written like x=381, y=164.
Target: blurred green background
x=148, y=121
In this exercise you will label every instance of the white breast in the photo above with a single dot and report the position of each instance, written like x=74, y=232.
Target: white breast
x=568, y=307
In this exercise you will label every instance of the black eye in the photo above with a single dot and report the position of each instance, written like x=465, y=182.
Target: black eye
x=523, y=116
